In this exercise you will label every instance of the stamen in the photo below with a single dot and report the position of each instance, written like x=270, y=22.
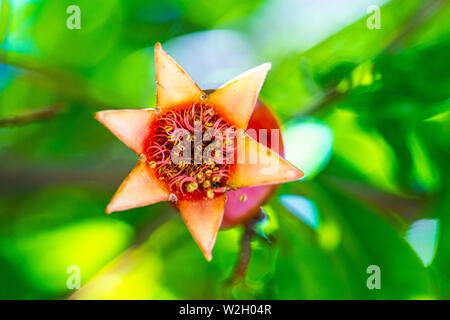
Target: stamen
x=204, y=179
x=206, y=184
x=192, y=187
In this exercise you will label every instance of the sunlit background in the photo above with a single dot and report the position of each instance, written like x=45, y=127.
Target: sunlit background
x=365, y=115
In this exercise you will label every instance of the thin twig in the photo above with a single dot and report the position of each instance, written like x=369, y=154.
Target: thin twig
x=424, y=13
x=331, y=95
x=65, y=84
x=40, y=115
x=244, y=256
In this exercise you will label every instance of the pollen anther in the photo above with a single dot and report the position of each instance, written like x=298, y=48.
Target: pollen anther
x=206, y=184
x=192, y=187
x=201, y=127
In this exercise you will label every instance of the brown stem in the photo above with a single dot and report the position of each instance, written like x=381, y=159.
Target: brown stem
x=66, y=84
x=42, y=114
x=244, y=256
x=330, y=96
x=426, y=11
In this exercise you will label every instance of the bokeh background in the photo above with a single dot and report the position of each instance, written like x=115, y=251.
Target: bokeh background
x=365, y=114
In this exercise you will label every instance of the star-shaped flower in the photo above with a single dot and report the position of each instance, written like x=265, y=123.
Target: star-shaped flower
x=223, y=157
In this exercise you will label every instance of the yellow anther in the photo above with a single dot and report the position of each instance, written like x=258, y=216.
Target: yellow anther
x=191, y=187
x=200, y=177
x=243, y=198
x=208, y=125
x=210, y=193
x=216, y=179
x=206, y=184
x=208, y=173
x=152, y=164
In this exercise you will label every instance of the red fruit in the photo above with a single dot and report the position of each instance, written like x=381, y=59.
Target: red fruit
x=244, y=204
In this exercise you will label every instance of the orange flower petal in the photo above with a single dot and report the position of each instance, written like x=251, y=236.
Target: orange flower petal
x=238, y=211
x=173, y=85
x=140, y=188
x=258, y=165
x=203, y=219
x=237, y=97
x=131, y=126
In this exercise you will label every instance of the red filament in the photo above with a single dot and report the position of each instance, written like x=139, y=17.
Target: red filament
x=202, y=130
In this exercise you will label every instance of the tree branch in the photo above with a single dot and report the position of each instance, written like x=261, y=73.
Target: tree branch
x=424, y=13
x=66, y=84
x=244, y=256
x=40, y=115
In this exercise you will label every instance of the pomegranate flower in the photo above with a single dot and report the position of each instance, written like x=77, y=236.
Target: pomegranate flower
x=192, y=149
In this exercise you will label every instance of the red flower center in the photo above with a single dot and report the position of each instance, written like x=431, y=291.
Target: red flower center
x=192, y=149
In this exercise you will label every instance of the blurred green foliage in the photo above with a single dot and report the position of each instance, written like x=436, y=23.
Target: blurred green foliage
x=366, y=114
